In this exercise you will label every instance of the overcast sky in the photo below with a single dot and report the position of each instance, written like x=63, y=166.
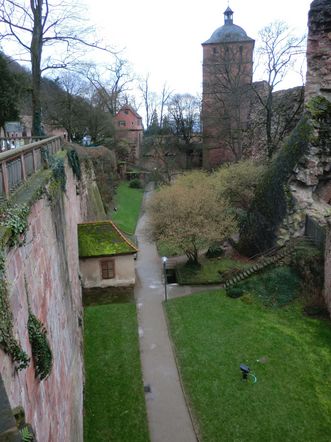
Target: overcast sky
x=164, y=38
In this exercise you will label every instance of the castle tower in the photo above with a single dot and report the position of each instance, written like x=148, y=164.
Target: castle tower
x=227, y=76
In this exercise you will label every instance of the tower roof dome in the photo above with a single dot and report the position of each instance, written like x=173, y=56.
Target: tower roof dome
x=229, y=32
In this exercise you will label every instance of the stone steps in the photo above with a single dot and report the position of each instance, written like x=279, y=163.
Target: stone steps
x=265, y=262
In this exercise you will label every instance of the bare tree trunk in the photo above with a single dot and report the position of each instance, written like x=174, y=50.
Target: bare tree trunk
x=36, y=51
x=269, y=114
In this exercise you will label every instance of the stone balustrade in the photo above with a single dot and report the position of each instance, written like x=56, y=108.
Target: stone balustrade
x=19, y=163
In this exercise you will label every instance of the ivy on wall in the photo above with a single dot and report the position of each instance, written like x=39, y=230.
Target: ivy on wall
x=269, y=205
x=74, y=163
x=7, y=339
x=58, y=171
x=57, y=183
x=41, y=351
x=271, y=199
x=14, y=222
x=15, y=217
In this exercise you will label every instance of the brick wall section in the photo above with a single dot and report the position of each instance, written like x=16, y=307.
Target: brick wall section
x=318, y=81
x=225, y=107
x=49, y=263
x=128, y=126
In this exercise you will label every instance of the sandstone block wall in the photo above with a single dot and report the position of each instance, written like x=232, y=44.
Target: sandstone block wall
x=48, y=262
x=318, y=80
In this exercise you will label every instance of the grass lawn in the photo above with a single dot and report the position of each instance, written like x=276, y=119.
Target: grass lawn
x=208, y=272
x=127, y=202
x=114, y=404
x=291, y=399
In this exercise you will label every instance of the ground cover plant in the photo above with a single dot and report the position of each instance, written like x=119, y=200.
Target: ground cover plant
x=274, y=287
x=114, y=405
x=207, y=272
x=289, y=354
x=127, y=202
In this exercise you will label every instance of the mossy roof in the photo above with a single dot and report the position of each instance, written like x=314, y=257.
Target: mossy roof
x=102, y=238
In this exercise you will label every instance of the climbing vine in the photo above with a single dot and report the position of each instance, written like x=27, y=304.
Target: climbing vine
x=26, y=434
x=58, y=170
x=57, y=183
x=270, y=202
x=7, y=340
x=74, y=162
x=16, y=218
x=41, y=351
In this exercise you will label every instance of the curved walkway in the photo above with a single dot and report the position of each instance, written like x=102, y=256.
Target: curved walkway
x=168, y=416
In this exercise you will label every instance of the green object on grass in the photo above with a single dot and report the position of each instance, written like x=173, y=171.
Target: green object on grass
x=213, y=334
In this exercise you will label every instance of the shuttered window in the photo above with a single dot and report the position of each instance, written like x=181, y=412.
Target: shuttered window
x=107, y=269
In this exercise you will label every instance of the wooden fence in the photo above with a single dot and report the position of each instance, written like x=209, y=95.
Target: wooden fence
x=18, y=164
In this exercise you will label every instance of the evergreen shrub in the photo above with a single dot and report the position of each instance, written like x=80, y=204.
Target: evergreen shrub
x=135, y=184
x=274, y=288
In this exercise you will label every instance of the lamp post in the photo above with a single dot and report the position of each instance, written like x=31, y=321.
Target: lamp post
x=164, y=261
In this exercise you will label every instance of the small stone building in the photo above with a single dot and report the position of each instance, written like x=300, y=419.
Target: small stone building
x=106, y=256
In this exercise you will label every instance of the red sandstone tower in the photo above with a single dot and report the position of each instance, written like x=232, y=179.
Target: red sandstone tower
x=227, y=79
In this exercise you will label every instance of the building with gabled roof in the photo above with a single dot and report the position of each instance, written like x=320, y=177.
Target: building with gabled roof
x=129, y=127
x=106, y=256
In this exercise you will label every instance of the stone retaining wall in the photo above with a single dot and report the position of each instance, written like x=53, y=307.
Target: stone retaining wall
x=48, y=262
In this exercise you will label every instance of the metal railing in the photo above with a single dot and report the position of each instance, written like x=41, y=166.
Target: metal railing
x=316, y=232
x=8, y=143
x=17, y=165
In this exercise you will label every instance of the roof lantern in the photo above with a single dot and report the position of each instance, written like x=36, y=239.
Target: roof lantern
x=228, y=16
x=229, y=32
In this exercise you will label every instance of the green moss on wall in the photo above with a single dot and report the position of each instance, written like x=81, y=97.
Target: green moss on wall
x=319, y=108
x=96, y=210
x=269, y=205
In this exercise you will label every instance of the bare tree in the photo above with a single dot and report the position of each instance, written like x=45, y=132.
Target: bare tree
x=36, y=25
x=149, y=99
x=184, y=115
x=66, y=104
x=165, y=96
x=278, y=53
x=113, y=85
x=184, y=122
x=160, y=153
